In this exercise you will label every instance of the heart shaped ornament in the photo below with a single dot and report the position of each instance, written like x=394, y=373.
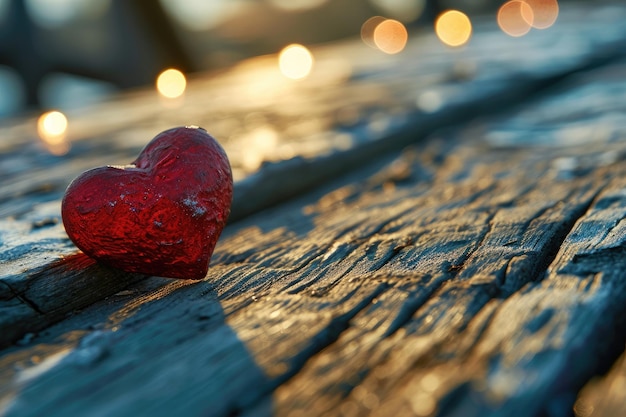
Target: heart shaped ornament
x=160, y=215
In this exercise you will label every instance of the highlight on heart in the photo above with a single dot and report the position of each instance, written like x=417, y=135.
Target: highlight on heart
x=160, y=215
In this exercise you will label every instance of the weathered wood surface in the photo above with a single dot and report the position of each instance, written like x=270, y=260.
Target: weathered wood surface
x=478, y=272
x=351, y=111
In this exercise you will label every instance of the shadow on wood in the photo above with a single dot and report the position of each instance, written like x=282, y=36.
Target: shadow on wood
x=137, y=364
x=52, y=291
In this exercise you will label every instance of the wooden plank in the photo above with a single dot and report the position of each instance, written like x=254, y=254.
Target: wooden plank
x=44, y=278
x=475, y=274
x=238, y=102
x=426, y=356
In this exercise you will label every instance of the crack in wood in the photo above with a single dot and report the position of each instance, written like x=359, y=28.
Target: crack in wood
x=291, y=288
x=22, y=297
x=559, y=234
x=326, y=337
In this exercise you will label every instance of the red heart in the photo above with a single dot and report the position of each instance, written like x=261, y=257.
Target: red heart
x=161, y=215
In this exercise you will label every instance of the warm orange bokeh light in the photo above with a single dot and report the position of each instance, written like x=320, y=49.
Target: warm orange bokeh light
x=453, y=28
x=295, y=61
x=171, y=83
x=545, y=12
x=52, y=129
x=515, y=18
x=390, y=36
x=368, y=28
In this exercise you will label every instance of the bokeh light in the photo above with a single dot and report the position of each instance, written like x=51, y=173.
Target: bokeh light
x=171, y=83
x=544, y=12
x=295, y=61
x=453, y=28
x=390, y=36
x=52, y=129
x=515, y=18
x=368, y=28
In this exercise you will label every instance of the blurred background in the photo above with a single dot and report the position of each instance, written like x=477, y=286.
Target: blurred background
x=70, y=53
